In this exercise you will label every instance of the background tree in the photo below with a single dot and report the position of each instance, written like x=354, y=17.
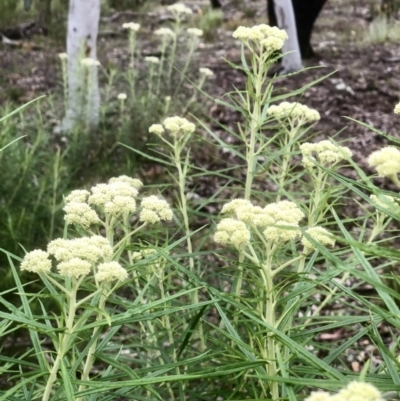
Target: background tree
x=83, y=105
x=291, y=60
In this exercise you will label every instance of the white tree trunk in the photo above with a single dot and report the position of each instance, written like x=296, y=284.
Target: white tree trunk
x=83, y=103
x=291, y=60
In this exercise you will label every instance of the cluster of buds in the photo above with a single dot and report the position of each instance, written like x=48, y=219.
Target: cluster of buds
x=354, y=391
x=319, y=235
x=386, y=161
x=131, y=26
x=195, y=32
x=90, y=62
x=397, y=108
x=205, y=72
x=176, y=126
x=297, y=113
x=165, y=33
x=279, y=222
x=179, y=11
x=152, y=60
x=268, y=39
x=76, y=258
x=324, y=152
x=117, y=198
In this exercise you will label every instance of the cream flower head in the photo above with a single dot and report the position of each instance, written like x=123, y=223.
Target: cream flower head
x=122, y=96
x=132, y=26
x=156, y=129
x=397, y=108
x=195, y=32
x=324, y=152
x=206, y=72
x=110, y=271
x=79, y=195
x=165, y=33
x=178, y=125
x=355, y=391
x=36, y=261
x=92, y=249
x=155, y=210
x=74, y=267
x=232, y=231
x=267, y=38
x=90, y=62
x=386, y=161
x=80, y=213
x=179, y=9
x=296, y=113
x=152, y=60
x=115, y=198
x=320, y=235
x=63, y=56
x=134, y=182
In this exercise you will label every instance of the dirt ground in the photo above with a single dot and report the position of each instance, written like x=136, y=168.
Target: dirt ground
x=365, y=86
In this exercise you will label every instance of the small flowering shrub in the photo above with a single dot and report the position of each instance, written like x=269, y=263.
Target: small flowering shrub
x=82, y=274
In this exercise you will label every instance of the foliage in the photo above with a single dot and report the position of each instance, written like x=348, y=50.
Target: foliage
x=203, y=306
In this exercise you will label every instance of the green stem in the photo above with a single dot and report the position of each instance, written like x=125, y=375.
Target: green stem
x=269, y=317
x=64, y=343
x=90, y=356
x=255, y=115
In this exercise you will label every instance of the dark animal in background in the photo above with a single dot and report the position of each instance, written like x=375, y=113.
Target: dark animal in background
x=306, y=13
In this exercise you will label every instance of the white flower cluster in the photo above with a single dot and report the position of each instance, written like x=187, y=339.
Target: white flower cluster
x=75, y=258
x=195, y=32
x=90, y=62
x=63, y=56
x=386, y=161
x=206, y=72
x=115, y=198
x=279, y=221
x=233, y=232
x=121, y=96
x=296, y=112
x=318, y=234
x=179, y=9
x=165, y=33
x=152, y=60
x=36, y=261
x=154, y=210
x=133, y=182
x=132, y=26
x=110, y=271
x=397, y=108
x=92, y=249
x=324, y=152
x=269, y=38
x=175, y=125
x=355, y=391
